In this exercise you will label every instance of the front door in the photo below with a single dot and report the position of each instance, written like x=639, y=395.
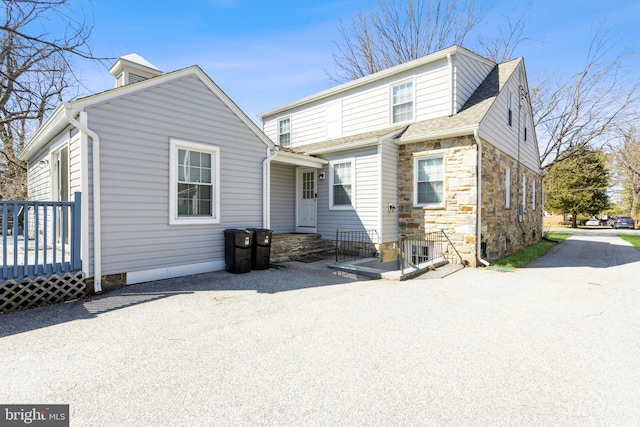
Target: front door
x=306, y=201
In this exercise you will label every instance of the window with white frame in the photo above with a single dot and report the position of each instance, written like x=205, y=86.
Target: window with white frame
x=284, y=132
x=510, y=109
x=507, y=188
x=194, y=183
x=533, y=195
x=342, y=185
x=524, y=193
x=402, y=102
x=526, y=126
x=429, y=181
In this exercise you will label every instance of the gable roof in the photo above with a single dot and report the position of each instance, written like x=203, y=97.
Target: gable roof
x=465, y=122
x=470, y=116
x=435, y=56
x=58, y=121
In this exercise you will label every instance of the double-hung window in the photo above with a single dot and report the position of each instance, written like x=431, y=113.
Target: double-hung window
x=429, y=181
x=284, y=132
x=194, y=183
x=342, y=185
x=402, y=102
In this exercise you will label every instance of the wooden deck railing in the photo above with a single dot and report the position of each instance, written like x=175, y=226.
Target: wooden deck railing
x=39, y=238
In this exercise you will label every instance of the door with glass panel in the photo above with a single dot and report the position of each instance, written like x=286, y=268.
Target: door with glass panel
x=306, y=203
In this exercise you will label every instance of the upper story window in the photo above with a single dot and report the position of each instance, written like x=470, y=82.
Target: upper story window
x=284, y=132
x=526, y=126
x=402, y=102
x=429, y=181
x=342, y=185
x=194, y=183
x=510, y=109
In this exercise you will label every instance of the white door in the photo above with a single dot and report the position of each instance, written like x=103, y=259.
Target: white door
x=306, y=201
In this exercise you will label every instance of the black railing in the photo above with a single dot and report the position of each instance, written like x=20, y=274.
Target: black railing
x=39, y=238
x=352, y=245
x=417, y=250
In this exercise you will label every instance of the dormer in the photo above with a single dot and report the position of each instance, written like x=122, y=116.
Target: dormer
x=132, y=68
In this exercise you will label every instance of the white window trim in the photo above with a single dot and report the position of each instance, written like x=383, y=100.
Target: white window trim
x=507, y=188
x=413, y=100
x=174, y=145
x=524, y=193
x=352, y=206
x=280, y=119
x=424, y=156
x=533, y=195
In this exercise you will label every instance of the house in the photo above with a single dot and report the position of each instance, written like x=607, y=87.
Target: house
x=444, y=142
x=164, y=163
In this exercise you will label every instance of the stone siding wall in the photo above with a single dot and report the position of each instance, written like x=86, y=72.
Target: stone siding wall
x=504, y=231
x=458, y=215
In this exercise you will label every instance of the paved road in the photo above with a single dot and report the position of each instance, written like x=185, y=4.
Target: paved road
x=557, y=343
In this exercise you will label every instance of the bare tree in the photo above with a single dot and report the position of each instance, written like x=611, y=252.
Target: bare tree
x=628, y=158
x=35, y=73
x=588, y=110
x=501, y=47
x=400, y=31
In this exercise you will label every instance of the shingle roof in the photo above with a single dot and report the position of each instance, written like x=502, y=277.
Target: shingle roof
x=469, y=116
x=337, y=143
x=474, y=110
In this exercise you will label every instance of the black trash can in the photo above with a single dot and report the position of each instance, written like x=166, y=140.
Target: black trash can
x=261, y=251
x=238, y=244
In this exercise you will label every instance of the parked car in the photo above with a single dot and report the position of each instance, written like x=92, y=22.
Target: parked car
x=592, y=222
x=624, y=222
x=606, y=221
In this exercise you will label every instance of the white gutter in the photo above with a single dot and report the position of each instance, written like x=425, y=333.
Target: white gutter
x=479, y=203
x=97, y=236
x=266, y=187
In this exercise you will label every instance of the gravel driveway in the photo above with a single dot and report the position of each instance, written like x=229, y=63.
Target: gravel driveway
x=557, y=343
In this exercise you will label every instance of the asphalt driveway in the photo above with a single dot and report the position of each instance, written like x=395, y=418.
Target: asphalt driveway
x=556, y=343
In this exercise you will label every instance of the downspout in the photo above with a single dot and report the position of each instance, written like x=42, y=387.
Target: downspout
x=266, y=187
x=97, y=236
x=479, y=203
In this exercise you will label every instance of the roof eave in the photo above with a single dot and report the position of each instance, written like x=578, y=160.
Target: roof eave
x=427, y=136
x=55, y=124
x=441, y=54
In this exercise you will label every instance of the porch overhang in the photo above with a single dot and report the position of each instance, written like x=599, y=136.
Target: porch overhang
x=295, y=159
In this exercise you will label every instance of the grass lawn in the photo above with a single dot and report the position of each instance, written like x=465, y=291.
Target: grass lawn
x=528, y=254
x=634, y=240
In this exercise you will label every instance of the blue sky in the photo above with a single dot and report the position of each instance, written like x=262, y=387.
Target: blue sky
x=267, y=53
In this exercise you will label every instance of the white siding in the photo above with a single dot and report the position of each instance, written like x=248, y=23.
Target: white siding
x=389, y=191
x=283, y=204
x=510, y=139
x=367, y=108
x=134, y=136
x=469, y=74
x=365, y=216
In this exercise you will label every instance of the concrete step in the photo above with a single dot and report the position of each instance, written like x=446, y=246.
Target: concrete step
x=295, y=246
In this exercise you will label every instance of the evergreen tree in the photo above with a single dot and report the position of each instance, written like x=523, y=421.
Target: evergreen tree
x=577, y=184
